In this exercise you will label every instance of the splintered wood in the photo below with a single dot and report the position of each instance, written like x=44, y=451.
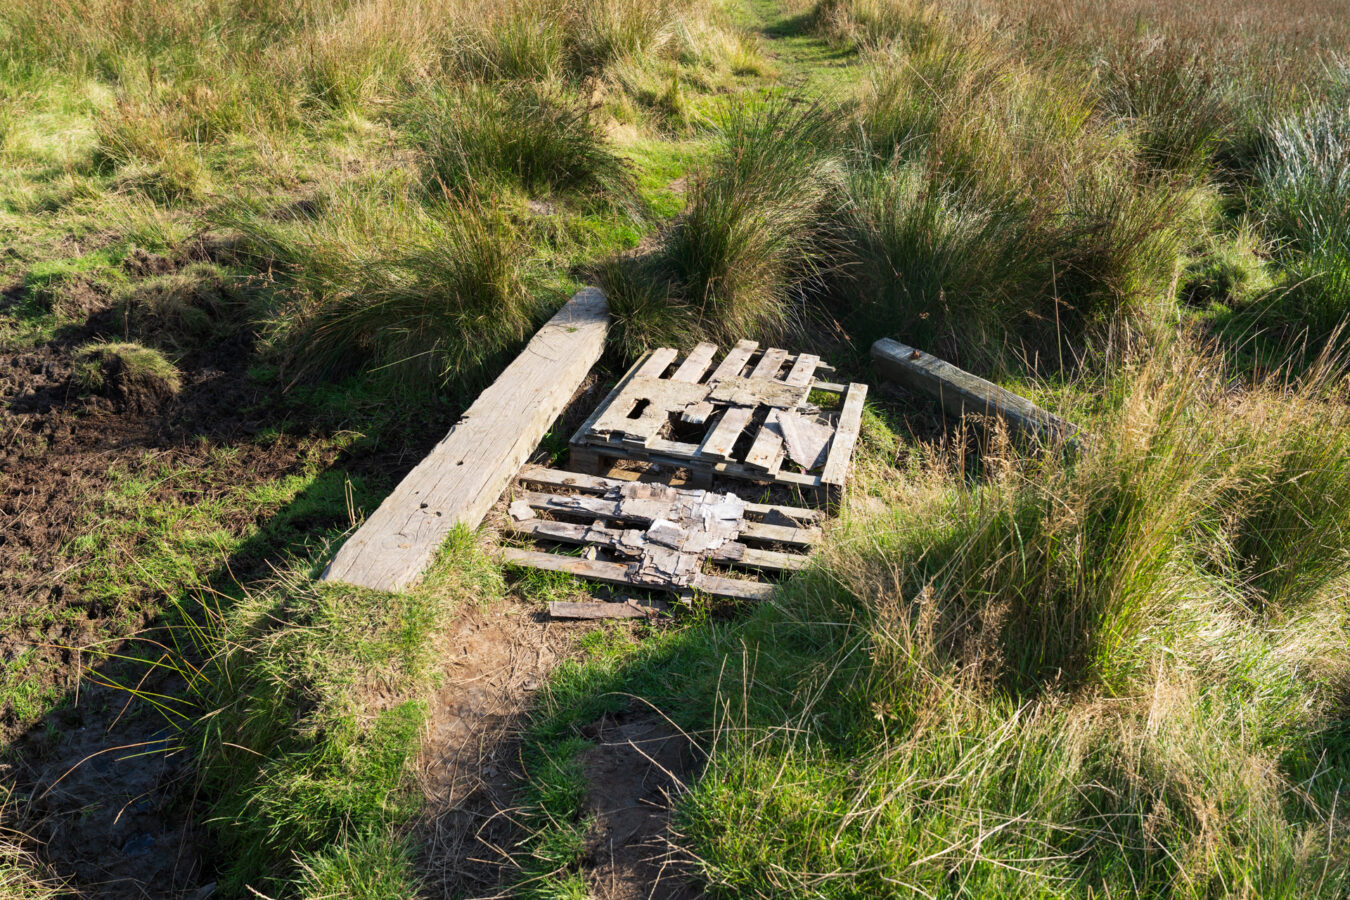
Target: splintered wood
x=657, y=536
x=751, y=417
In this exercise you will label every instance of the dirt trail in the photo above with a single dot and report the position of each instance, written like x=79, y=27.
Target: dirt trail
x=470, y=769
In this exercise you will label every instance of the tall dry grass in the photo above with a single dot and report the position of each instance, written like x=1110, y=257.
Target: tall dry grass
x=1120, y=672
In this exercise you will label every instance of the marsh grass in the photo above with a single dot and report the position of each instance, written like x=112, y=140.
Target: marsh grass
x=533, y=135
x=1057, y=679
x=752, y=240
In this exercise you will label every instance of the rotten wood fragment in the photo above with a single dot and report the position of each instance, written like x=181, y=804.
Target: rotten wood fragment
x=626, y=609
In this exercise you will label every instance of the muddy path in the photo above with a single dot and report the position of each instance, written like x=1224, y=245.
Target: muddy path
x=497, y=660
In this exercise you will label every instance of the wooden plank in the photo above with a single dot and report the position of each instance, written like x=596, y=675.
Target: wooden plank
x=588, y=506
x=617, y=573
x=722, y=439
x=579, y=436
x=696, y=363
x=731, y=553
x=657, y=362
x=831, y=386
x=769, y=363
x=845, y=436
x=767, y=451
x=533, y=474
x=734, y=361
x=803, y=368
x=959, y=392
x=628, y=609
x=467, y=471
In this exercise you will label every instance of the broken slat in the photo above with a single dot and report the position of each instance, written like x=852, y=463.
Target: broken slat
x=758, y=392
x=657, y=362
x=617, y=573
x=802, y=369
x=769, y=363
x=845, y=436
x=595, y=484
x=599, y=411
x=696, y=363
x=732, y=553
x=628, y=511
x=805, y=440
x=628, y=609
x=720, y=441
x=734, y=361
x=831, y=386
x=767, y=451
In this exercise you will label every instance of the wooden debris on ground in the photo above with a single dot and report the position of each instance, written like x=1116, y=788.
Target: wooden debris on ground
x=658, y=536
x=960, y=392
x=599, y=609
x=749, y=418
x=462, y=477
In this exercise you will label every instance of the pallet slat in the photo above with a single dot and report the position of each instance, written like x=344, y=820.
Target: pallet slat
x=767, y=451
x=735, y=360
x=617, y=573
x=803, y=367
x=845, y=436
x=595, y=484
x=720, y=441
x=696, y=363
x=769, y=363
x=733, y=553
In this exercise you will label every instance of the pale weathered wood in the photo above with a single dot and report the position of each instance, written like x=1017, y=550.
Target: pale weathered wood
x=628, y=609
x=467, y=471
x=657, y=362
x=582, y=505
x=734, y=361
x=732, y=553
x=803, y=367
x=696, y=363
x=960, y=392
x=767, y=450
x=845, y=436
x=769, y=363
x=722, y=439
x=617, y=573
x=533, y=474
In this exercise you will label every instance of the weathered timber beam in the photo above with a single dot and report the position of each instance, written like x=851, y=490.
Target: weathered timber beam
x=960, y=392
x=468, y=470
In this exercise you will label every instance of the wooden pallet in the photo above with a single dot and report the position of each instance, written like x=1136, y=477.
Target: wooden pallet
x=640, y=534
x=749, y=417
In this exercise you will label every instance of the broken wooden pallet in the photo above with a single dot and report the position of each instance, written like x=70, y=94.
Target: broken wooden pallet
x=750, y=417
x=656, y=536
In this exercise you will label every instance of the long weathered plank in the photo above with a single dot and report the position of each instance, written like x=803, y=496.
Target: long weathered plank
x=769, y=363
x=960, y=392
x=617, y=573
x=468, y=470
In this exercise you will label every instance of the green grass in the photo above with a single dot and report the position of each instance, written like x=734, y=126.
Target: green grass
x=1119, y=672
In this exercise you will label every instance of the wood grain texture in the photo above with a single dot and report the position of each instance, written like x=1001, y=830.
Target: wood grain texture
x=617, y=573
x=959, y=392
x=467, y=471
x=845, y=436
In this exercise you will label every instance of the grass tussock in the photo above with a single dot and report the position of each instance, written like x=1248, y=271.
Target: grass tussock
x=1112, y=673
x=751, y=239
x=536, y=138
x=129, y=373
x=382, y=284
